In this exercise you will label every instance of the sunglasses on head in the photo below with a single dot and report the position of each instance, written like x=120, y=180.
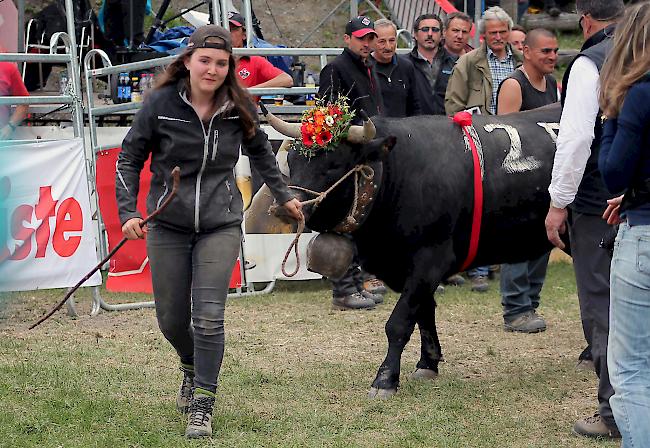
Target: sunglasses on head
x=426, y=29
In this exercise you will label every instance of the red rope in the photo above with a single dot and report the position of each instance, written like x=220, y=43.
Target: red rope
x=464, y=119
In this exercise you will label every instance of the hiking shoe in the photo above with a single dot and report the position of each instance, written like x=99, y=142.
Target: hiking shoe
x=185, y=391
x=375, y=286
x=454, y=280
x=377, y=298
x=527, y=322
x=353, y=301
x=480, y=283
x=594, y=426
x=199, y=420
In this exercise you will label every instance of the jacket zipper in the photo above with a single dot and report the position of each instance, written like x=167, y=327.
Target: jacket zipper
x=206, y=149
x=215, y=143
x=160, y=199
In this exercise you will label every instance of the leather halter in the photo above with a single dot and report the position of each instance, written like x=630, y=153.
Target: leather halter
x=365, y=192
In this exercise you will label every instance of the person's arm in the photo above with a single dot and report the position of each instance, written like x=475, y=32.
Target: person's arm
x=261, y=156
x=621, y=145
x=17, y=88
x=457, y=90
x=282, y=80
x=136, y=148
x=576, y=132
x=272, y=76
x=413, y=106
x=573, y=144
x=509, y=99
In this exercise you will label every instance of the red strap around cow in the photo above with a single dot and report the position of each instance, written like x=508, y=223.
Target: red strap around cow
x=464, y=119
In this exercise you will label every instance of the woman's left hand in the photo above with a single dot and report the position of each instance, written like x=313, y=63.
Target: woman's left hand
x=294, y=208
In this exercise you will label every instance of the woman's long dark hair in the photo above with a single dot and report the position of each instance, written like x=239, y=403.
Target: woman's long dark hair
x=239, y=96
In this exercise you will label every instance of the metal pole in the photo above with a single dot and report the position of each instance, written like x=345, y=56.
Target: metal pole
x=248, y=14
x=21, y=31
x=478, y=12
x=354, y=9
x=224, y=14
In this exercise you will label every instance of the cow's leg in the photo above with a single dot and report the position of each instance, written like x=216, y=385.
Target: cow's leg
x=399, y=328
x=430, y=264
x=430, y=351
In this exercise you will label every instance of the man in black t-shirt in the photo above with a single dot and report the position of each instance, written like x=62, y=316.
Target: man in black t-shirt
x=529, y=87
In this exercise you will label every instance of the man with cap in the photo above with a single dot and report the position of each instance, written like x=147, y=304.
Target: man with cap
x=254, y=71
x=352, y=74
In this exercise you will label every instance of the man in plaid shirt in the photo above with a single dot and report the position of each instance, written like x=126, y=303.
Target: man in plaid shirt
x=476, y=77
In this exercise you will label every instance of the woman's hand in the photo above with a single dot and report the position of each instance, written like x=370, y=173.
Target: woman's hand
x=133, y=230
x=294, y=208
x=611, y=212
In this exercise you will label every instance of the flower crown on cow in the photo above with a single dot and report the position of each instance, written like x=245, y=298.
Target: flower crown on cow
x=324, y=126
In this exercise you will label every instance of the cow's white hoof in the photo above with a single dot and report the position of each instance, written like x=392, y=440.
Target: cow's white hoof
x=382, y=394
x=424, y=374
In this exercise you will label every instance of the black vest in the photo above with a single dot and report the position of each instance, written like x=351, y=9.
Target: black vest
x=531, y=98
x=592, y=195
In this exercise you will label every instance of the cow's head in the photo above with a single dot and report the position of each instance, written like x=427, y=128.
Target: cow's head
x=360, y=154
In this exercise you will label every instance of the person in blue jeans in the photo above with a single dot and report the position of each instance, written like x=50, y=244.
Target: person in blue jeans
x=530, y=86
x=624, y=162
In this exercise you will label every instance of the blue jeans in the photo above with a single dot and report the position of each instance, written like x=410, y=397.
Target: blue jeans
x=190, y=273
x=521, y=284
x=481, y=271
x=628, y=357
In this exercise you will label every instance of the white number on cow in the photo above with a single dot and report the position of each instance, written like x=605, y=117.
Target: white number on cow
x=551, y=128
x=515, y=162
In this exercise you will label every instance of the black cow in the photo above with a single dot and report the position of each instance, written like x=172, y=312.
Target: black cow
x=413, y=221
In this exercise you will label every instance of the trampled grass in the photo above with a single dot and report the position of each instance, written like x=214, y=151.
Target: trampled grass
x=295, y=374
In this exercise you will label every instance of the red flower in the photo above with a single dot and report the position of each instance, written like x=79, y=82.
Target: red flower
x=323, y=138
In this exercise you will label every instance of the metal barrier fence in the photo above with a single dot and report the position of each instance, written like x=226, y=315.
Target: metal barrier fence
x=72, y=97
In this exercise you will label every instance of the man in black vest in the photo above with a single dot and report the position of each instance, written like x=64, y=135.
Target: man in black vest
x=353, y=74
x=530, y=86
x=577, y=183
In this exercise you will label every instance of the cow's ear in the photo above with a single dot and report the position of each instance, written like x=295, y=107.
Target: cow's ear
x=378, y=148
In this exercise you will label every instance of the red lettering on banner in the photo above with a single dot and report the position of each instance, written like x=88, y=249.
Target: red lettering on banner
x=66, y=247
x=27, y=221
x=44, y=210
x=22, y=213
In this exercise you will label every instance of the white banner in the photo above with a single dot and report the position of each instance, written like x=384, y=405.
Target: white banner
x=47, y=239
x=264, y=253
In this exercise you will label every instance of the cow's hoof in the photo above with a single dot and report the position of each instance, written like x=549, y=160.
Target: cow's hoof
x=424, y=374
x=382, y=394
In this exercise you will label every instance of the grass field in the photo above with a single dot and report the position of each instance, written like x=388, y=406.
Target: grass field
x=296, y=373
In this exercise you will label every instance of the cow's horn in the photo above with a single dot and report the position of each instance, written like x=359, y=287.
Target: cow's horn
x=362, y=134
x=283, y=127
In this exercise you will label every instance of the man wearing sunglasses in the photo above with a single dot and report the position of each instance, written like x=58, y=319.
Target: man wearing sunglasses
x=427, y=58
x=576, y=183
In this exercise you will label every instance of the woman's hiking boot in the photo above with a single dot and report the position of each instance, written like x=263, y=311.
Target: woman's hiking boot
x=199, y=420
x=185, y=391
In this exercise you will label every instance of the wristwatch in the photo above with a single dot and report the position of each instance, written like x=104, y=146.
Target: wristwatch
x=555, y=205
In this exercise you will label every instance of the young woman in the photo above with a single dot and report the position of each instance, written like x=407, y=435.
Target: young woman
x=624, y=162
x=196, y=118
